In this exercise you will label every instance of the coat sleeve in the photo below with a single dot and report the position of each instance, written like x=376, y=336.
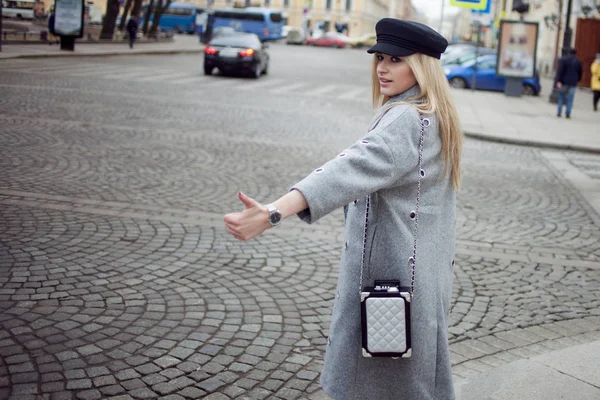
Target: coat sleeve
x=375, y=162
x=560, y=70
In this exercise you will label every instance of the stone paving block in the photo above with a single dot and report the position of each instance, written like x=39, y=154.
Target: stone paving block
x=79, y=384
x=112, y=390
x=52, y=387
x=216, y=396
x=143, y=393
x=211, y=384
x=93, y=394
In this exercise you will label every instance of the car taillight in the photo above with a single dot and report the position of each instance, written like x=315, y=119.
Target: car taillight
x=211, y=50
x=246, y=53
x=266, y=32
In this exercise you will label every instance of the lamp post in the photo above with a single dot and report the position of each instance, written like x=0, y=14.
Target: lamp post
x=567, y=38
x=0, y=25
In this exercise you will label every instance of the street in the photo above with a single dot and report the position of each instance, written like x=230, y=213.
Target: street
x=118, y=279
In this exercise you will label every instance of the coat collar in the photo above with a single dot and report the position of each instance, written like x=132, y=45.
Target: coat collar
x=412, y=92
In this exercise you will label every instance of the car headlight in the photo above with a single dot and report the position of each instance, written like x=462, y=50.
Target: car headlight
x=446, y=71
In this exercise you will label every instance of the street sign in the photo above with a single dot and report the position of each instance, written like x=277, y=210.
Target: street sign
x=487, y=10
x=471, y=4
x=484, y=17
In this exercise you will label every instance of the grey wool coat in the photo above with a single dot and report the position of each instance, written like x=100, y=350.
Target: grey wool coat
x=384, y=166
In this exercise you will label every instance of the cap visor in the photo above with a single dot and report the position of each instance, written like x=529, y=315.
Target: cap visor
x=390, y=49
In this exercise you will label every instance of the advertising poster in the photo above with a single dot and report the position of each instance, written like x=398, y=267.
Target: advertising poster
x=68, y=18
x=517, y=49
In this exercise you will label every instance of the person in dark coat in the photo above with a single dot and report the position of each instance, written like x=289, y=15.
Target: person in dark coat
x=568, y=76
x=52, y=38
x=132, y=28
x=410, y=154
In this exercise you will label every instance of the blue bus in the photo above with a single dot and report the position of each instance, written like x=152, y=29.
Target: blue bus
x=179, y=17
x=266, y=24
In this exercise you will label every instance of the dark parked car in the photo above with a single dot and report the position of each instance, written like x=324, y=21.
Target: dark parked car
x=236, y=53
x=461, y=77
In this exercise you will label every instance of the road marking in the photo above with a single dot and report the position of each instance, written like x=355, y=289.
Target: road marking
x=288, y=88
x=163, y=77
x=321, y=90
x=223, y=82
x=139, y=73
x=50, y=69
x=190, y=79
x=105, y=71
x=260, y=84
x=354, y=94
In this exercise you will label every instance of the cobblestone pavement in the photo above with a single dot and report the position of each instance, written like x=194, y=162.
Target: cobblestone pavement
x=117, y=279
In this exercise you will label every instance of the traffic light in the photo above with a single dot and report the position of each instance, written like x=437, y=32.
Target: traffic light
x=520, y=6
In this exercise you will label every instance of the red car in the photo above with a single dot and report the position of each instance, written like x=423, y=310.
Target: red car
x=330, y=39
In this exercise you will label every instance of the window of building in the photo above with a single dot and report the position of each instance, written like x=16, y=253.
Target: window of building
x=348, y=5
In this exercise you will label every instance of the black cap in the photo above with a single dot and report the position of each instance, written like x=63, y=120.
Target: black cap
x=403, y=38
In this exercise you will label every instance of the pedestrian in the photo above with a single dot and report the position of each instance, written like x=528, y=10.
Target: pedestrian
x=595, y=84
x=52, y=38
x=132, y=28
x=380, y=180
x=568, y=76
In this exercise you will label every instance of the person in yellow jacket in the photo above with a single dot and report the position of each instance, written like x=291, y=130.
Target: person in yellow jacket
x=595, y=84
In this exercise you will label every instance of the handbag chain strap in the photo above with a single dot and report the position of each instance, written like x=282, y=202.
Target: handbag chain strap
x=412, y=260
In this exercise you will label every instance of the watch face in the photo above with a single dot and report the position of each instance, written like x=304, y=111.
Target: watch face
x=275, y=217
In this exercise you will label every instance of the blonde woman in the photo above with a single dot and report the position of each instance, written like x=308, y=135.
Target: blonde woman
x=383, y=167
x=595, y=83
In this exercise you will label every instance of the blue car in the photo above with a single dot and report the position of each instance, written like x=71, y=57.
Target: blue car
x=461, y=76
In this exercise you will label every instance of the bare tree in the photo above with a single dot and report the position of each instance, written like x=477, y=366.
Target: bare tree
x=161, y=6
x=137, y=8
x=108, y=24
x=125, y=15
x=149, y=11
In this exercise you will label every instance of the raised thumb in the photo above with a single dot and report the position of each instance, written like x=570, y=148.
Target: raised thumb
x=248, y=202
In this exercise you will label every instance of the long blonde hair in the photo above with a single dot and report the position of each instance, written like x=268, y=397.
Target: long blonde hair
x=434, y=98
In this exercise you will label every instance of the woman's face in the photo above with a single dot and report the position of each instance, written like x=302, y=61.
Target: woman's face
x=395, y=76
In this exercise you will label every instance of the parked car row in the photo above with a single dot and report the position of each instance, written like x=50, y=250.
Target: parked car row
x=465, y=66
x=330, y=39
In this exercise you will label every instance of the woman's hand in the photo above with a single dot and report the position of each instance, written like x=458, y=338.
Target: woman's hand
x=249, y=223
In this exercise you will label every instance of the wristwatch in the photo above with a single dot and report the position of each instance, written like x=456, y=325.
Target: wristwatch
x=274, y=215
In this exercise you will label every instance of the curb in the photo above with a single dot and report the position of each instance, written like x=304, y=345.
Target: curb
x=532, y=143
x=101, y=53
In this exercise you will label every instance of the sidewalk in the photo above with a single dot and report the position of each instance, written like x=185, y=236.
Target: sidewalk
x=180, y=44
x=571, y=373
x=529, y=120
